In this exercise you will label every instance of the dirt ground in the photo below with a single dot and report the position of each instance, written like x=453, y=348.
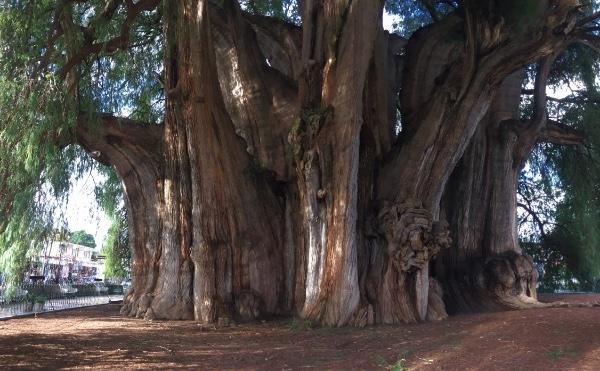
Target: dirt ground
x=97, y=337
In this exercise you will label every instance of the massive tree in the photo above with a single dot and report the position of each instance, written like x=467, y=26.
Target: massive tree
x=314, y=165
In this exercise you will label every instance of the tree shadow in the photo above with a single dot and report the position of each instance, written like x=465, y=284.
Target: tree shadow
x=99, y=337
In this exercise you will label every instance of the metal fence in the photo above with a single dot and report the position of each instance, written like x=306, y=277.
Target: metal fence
x=43, y=297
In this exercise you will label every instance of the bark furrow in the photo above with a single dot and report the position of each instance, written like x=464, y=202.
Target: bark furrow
x=279, y=185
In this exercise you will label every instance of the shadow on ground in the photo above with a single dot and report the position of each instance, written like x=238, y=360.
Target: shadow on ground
x=540, y=339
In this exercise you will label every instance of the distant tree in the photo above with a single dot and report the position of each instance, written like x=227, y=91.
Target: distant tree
x=116, y=250
x=82, y=238
x=559, y=193
x=109, y=196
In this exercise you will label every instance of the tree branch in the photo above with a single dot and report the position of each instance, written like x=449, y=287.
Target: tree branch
x=540, y=113
x=558, y=133
x=592, y=17
x=589, y=40
x=535, y=217
x=577, y=97
x=92, y=47
x=101, y=134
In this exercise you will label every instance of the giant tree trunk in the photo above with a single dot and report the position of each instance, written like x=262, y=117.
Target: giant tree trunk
x=337, y=48
x=484, y=269
x=277, y=184
x=133, y=149
x=447, y=89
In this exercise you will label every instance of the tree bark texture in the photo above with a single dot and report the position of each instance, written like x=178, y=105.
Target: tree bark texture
x=278, y=185
x=484, y=268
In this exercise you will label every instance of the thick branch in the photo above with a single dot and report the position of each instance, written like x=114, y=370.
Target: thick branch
x=279, y=41
x=258, y=39
x=558, y=133
x=589, y=40
x=539, y=96
x=532, y=129
x=104, y=135
x=591, y=18
x=260, y=99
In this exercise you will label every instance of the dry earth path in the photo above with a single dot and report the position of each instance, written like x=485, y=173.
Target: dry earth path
x=97, y=337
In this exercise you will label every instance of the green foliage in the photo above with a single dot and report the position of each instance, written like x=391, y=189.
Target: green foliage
x=116, y=250
x=33, y=298
x=282, y=9
x=109, y=196
x=29, y=298
x=562, y=352
x=398, y=365
x=82, y=238
x=565, y=181
x=409, y=16
x=40, y=299
x=298, y=324
x=34, y=170
x=560, y=271
x=578, y=215
x=39, y=105
x=520, y=12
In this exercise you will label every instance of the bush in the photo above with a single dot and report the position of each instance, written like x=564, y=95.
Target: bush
x=88, y=289
x=115, y=289
x=29, y=298
x=40, y=299
x=49, y=291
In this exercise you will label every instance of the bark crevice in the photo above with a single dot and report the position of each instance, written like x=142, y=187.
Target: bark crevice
x=278, y=184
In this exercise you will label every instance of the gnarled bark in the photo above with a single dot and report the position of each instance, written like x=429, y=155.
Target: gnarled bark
x=447, y=89
x=134, y=150
x=277, y=183
x=485, y=269
x=338, y=42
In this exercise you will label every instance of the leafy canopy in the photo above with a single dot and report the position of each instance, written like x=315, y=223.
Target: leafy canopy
x=82, y=238
x=60, y=58
x=561, y=184
x=42, y=90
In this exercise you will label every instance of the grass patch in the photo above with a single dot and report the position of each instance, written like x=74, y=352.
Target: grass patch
x=398, y=365
x=561, y=353
x=299, y=325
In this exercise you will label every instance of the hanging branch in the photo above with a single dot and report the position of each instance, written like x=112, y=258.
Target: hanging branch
x=119, y=42
x=91, y=45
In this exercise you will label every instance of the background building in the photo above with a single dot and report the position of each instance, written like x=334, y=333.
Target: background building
x=65, y=261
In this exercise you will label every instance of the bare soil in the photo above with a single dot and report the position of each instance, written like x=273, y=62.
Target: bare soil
x=97, y=337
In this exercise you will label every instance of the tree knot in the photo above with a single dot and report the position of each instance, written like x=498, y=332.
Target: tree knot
x=306, y=128
x=413, y=238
